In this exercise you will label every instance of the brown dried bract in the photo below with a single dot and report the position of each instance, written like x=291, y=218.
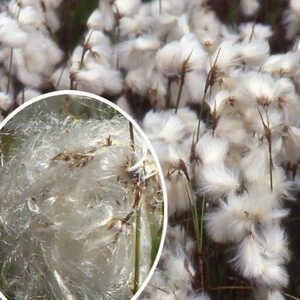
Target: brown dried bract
x=75, y=159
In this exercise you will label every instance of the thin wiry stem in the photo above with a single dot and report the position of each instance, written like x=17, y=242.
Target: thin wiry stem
x=201, y=224
x=199, y=118
x=184, y=69
x=131, y=135
x=9, y=70
x=252, y=32
x=137, y=242
x=268, y=135
x=116, y=30
x=168, y=95
x=67, y=105
x=210, y=81
x=271, y=166
x=85, y=49
x=60, y=77
x=198, y=230
x=193, y=203
x=182, y=77
x=23, y=95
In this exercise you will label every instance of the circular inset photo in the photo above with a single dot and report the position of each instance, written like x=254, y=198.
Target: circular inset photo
x=82, y=201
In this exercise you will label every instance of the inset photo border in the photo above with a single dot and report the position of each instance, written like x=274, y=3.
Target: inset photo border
x=83, y=200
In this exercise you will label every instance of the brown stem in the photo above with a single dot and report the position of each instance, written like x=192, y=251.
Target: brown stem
x=182, y=77
x=131, y=135
x=184, y=69
x=168, y=95
x=9, y=70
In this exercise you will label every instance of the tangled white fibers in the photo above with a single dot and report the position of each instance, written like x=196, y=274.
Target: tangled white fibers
x=81, y=203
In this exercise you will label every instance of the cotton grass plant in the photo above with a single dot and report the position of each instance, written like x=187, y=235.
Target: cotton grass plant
x=216, y=87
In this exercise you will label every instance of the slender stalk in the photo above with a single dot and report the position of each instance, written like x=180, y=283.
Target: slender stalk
x=269, y=138
x=60, y=77
x=210, y=81
x=199, y=119
x=9, y=69
x=116, y=30
x=268, y=135
x=72, y=82
x=198, y=230
x=168, y=95
x=67, y=105
x=252, y=32
x=184, y=69
x=85, y=49
x=137, y=248
x=201, y=224
x=182, y=77
x=270, y=165
x=131, y=135
x=193, y=203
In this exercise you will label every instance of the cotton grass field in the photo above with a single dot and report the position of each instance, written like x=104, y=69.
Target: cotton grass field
x=215, y=85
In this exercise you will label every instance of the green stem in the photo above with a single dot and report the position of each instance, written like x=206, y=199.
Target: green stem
x=199, y=121
x=179, y=92
x=201, y=224
x=137, y=248
x=271, y=165
x=195, y=217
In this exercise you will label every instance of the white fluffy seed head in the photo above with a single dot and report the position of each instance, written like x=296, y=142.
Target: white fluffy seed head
x=31, y=16
x=100, y=79
x=275, y=243
x=126, y=7
x=254, y=53
x=249, y=259
x=216, y=179
x=179, y=201
x=95, y=20
x=218, y=102
x=274, y=274
x=225, y=56
x=282, y=64
x=168, y=59
x=256, y=31
x=11, y=35
x=212, y=149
